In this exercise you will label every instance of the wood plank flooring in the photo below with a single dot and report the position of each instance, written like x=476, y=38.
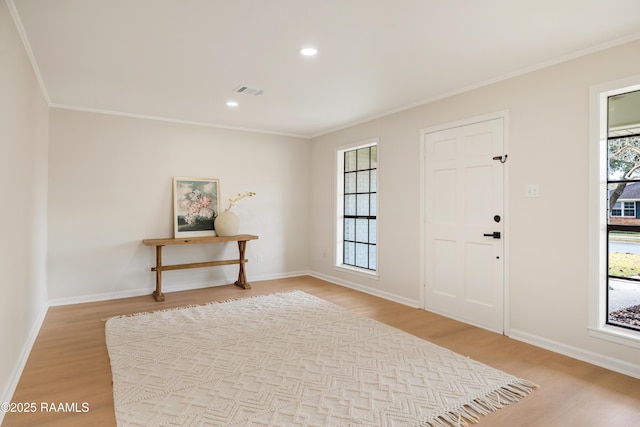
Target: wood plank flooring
x=69, y=361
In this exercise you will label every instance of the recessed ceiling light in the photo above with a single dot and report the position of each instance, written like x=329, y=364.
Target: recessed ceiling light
x=232, y=104
x=309, y=51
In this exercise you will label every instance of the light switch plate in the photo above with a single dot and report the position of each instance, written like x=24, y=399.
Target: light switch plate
x=533, y=190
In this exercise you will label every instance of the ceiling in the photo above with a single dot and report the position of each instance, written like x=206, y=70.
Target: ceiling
x=182, y=59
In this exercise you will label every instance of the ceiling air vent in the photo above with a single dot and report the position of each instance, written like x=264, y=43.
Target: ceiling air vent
x=248, y=90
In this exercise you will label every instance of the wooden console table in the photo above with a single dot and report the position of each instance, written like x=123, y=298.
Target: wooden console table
x=242, y=240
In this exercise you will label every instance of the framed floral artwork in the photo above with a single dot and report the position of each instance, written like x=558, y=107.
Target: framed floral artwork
x=195, y=206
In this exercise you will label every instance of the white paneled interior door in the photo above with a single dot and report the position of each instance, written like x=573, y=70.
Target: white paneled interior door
x=464, y=250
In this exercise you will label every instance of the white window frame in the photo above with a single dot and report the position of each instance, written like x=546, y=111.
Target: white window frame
x=339, y=210
x=598, y=275
x=623, y=208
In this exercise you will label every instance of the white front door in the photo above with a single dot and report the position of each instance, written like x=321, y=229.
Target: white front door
x=464, y=250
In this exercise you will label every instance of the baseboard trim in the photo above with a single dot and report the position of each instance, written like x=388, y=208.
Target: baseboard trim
x=165, y=289
x=366, y=289
x=7, y=394
x=613, y=364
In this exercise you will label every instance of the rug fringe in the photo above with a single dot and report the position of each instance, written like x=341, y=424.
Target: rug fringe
x=472, y=411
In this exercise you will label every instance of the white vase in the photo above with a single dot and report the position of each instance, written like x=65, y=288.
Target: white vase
x=226, y=224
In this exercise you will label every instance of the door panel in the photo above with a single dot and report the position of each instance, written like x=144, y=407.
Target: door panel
x=444, y=283
x=478, y=274
x=444, y=211
x=464, y=191
x=479, y=206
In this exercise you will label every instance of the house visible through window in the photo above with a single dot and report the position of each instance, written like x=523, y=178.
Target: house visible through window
x=357, y=207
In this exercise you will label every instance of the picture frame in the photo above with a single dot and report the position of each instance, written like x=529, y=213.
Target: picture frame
x=196, y=203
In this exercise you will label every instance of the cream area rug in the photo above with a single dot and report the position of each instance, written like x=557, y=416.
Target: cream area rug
x=291, y=359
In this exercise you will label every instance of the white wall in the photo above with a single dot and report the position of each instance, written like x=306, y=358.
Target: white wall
x=23, y=187
x=548, y=140
x=110, y=186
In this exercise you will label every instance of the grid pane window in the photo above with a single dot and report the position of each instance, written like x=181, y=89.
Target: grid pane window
x=629, y=209
x=360, y=198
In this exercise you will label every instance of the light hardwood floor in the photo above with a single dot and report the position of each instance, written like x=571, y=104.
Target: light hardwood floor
x=69, y=361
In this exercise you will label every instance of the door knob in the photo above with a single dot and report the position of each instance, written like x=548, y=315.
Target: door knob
x=495, y=235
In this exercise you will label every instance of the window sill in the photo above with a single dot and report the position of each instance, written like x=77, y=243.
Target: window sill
x=358, y=271
x=616, y=335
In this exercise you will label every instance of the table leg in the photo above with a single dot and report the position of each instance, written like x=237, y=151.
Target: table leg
x=242, y=278
x=157, y=294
